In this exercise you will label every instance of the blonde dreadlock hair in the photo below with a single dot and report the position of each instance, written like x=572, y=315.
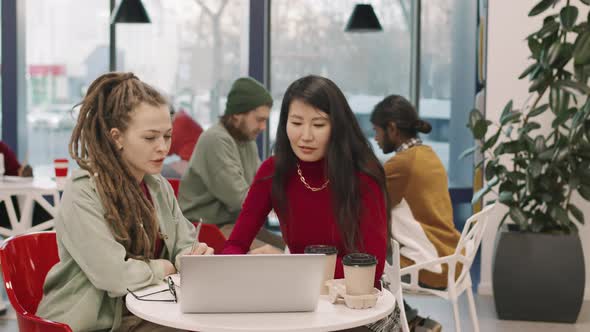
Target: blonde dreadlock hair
x=108, y=104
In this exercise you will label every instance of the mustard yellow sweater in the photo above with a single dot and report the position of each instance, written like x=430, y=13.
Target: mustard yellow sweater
x=422, y=214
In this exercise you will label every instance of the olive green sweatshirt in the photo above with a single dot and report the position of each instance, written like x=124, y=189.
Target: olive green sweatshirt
x=86, y=288
x=220, y=172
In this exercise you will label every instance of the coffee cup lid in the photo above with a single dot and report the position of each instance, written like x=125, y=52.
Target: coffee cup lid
x=359, y=259
x=321, y=249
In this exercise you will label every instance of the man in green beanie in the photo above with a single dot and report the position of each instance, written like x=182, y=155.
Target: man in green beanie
x=225, y=158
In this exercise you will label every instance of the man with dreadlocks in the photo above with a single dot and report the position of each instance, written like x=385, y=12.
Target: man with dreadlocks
x=118, y=226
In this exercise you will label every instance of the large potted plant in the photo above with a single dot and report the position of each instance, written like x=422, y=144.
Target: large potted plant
x=537, y=161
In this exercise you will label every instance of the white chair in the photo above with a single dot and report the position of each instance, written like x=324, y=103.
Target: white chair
x=392, y=276
x=464, y=254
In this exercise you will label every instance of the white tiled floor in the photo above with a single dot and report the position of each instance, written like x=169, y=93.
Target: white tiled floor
x=441, y=311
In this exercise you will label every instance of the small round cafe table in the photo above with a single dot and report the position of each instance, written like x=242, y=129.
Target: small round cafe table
x=327, y=317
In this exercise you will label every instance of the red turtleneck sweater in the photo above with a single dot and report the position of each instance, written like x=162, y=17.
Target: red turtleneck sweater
x=311, y=219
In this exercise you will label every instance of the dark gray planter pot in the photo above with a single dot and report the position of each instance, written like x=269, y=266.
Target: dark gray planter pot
x=539, y=277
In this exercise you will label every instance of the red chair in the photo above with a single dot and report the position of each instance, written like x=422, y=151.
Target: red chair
x=26, y=259
x=211, y=235
x=175, y=185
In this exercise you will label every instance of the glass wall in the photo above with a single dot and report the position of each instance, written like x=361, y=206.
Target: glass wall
x=307, y=37
x=192, y=51
x=448, y=81
x=435, y=74
x=67, y=48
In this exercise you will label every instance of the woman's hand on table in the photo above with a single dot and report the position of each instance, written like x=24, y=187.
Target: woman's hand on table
x=266, y=249
x=202, y=249
x=168, y=267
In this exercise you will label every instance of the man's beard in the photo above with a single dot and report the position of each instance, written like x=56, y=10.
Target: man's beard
x=387, y=145
x=239, y=132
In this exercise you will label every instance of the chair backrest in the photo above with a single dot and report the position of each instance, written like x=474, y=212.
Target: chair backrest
x=211, y=235
x=175, y=185
x=471, y=237
x=26, y=259
x=392, y=271
x=392, y=275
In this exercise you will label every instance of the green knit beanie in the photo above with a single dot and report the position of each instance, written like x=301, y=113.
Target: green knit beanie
x=245, y=95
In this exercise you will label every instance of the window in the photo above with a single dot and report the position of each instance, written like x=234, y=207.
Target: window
x=191, y=51
x=307, y=37
x=61, y=63
x=447, y=81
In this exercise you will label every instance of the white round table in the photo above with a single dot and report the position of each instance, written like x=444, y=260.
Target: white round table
x=327, y=317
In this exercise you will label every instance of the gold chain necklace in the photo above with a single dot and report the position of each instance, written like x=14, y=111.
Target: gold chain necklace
x=307, y=185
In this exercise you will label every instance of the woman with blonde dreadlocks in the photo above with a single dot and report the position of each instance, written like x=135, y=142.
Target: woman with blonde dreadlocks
x=119, y=226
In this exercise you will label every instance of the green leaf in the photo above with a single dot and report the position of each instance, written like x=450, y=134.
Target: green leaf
x=474, y=116
x=553, y=54
x=581, y=52
x=478, y=195
x=584, y=172
x=549, y=19
x=540, y=83
x=574, y=182
x=538, y=110
x=490, y=171
x=510, y=117
x=506, y=197
x=586, y=1
x=518, y=216
x=535, y=47
x=507, y=109
x=480, y=129
x=529, y=127
x=562, y=153
x=558, y=99
x=546, y=198
x=581, y=72
x=539, y=144
x=561, y=118
x=548, y=29
x=580, y=27
x=573, y=86
x=535, y=167
x=547, y=154
x=528, y=70
x=491, y=141
x=564, y=56
x=468, y=152
x=568, y=16
x=541, y=7
x=508, y=186
x=499, y=150
x=479, y=164
x=560, y=216
x=514, y=146
x=509, y=131
x=578, y=116
x=584, y=191
x=577, y=213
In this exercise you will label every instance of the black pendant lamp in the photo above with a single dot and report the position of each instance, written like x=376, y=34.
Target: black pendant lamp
x=363, y=19
x=130, y=11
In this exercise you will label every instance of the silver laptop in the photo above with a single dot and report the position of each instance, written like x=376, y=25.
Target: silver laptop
x=250, y=283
